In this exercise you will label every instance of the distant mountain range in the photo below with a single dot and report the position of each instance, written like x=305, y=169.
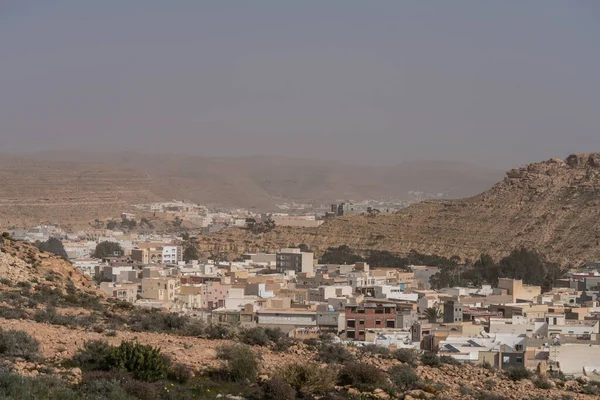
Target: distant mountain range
x=552, y=207
x=75, y=187
x=261, y=182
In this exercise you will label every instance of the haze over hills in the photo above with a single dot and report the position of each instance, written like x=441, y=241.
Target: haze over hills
x=262, y=181
x=552, y=207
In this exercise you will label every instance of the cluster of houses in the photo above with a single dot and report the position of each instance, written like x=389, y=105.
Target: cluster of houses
x=509, y=325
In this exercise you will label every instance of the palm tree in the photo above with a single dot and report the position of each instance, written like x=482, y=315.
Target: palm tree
x=433, y=314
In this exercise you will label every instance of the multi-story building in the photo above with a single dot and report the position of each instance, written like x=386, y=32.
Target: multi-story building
x=453, y=312
x=162, y=289
x=172, y=254
x=359, y=318
x=295, y=260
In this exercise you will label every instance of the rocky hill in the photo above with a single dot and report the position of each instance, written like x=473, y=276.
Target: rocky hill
x=262, y=182
x=59, y=192
x=23, y=262
x=552, y=207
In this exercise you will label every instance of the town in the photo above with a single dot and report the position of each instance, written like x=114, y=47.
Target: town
x=507, y=325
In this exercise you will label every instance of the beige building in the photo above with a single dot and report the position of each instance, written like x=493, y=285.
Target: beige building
x=162, y=289
x=518, y=290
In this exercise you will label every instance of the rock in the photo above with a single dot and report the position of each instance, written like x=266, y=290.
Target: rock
x=76, y=371
x=380, y=394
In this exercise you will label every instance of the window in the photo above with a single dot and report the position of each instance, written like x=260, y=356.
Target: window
x=351, y=334
x=390, y=323
x=362, y=322
x=377, y=322
x=520, y=360
x=351, y=323
x=361, y=333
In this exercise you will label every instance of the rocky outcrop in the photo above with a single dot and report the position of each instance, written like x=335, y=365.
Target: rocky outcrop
x=23, y=262
x=552, y=207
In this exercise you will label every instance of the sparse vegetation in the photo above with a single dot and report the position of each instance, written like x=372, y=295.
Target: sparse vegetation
x=16, y=343
x=518, y=373
x=335, y=354
x=362, y=376
x=308, y=378
x=404, y=377
x=241, y=364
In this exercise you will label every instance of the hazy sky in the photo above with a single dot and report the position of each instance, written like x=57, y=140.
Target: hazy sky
x=492, y=82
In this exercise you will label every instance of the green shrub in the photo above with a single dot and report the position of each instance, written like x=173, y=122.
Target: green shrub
x=542, y=383
x=518, y=373
x=361, y=376
x=277, y=389
x=409, y=356
x=19, y=344
x=194, y=328
x=92, y=356
x=220, y=331
x=43, y=387
x=404, y=377
x=254, y=336
x=145, y=362
x=449, y=360
x=335, y=354
x=104, y=389
x=308, y=378
x=430, y=359
x=242, y=365
x=154, y=320
x=487, y=365
x=380, y=351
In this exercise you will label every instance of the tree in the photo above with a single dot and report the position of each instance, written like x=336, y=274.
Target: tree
x=107, y=249
x=340, y=255
x=304, y=248
x=190, y=253
x=54, y=246
x=112, y=225
x=433, y=314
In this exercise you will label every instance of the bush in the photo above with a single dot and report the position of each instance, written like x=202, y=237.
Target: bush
x=308, y=378
x=278, y=389
x=42, y=387
x=254, y=336
x=104, y=389
x=194, y=328
x=487, y=365
x=361, y=376
x=19, y=344
x=375, y=350
x=275, y=334
x=220, y=331
x=242, y=365
x=179, y=373
x=143, y=361
x=93, y=355
x=542, y=383
x=409, y=356
x=335, y=354
x=449, y=360
x=518, y=373
x=404, y=377
x=430, y=359
x=156, y=321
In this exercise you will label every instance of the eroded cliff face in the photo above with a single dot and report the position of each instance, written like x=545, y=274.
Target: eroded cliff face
x=552, y=207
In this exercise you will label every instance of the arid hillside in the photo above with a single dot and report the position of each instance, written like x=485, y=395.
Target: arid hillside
x=261, y=182
x=552, y=207
x=60, y=192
